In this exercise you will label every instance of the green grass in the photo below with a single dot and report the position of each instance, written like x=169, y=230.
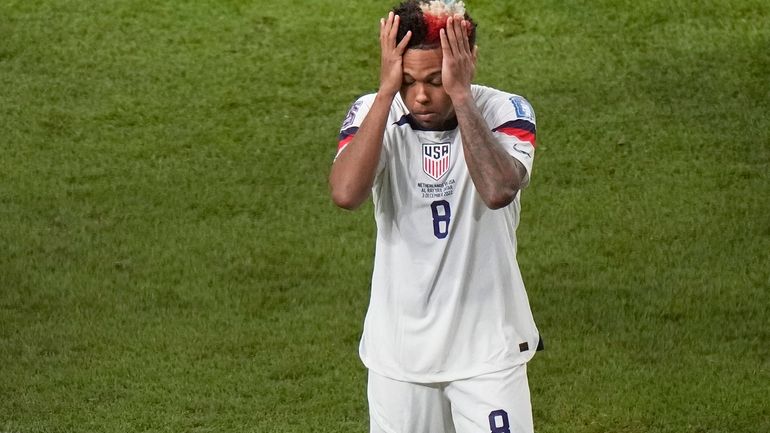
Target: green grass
x=170, y=260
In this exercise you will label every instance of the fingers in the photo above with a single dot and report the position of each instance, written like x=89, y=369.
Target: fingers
x=458, y=64
x=454, y=40
x=446, y=49
x=382, y=26
x=385, y=24
x=394, y=19
x=461, y=30
x=401, y=48
x=389, y=33
x=389, y=29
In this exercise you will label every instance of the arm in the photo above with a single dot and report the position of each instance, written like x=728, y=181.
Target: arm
x=352, y=174
x=496, y=175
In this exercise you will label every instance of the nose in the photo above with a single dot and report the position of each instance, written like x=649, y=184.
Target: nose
x=421, y=96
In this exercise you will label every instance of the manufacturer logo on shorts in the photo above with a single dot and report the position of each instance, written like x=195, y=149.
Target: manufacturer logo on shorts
x=435, y=159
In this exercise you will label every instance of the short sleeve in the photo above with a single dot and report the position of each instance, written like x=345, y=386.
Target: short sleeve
x=514, y=125
x=353, y=120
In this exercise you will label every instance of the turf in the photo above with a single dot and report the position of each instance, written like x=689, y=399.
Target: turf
x=170, y=260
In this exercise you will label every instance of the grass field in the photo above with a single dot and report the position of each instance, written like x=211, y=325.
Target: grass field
x=170, y=260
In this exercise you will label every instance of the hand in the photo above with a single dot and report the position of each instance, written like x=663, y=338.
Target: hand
x=392, y=65
x=459, y=61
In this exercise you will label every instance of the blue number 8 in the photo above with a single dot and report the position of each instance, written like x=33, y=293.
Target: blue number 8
x=494, y=416
x=441, y=219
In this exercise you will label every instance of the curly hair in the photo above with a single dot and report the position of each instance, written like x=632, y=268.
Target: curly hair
x=425, y=28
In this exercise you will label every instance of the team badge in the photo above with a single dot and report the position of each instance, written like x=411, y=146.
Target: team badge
x=351, y=116
x=435, y=159
x=523, y=109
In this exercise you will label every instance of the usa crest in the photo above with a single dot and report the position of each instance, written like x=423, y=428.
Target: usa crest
x=435, y=159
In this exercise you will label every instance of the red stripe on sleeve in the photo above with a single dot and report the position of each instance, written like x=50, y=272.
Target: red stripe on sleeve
x=345, y=141
x=521, y=134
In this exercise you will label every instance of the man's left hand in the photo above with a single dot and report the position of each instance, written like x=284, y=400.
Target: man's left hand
x=459, y=62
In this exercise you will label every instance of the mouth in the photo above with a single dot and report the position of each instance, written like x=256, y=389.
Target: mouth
x=425, y=117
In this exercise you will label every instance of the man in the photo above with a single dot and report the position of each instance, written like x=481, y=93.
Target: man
x=449, y=331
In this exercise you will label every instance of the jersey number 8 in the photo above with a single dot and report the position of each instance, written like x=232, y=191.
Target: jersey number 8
x=441, y=216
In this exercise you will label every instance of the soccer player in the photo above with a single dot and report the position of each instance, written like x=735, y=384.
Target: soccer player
x=449, y=331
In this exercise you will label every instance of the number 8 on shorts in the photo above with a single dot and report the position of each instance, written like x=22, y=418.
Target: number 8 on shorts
x=498, y=422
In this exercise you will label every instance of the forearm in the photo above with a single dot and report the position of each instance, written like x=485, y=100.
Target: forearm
x=352, y=174
x=496, y=175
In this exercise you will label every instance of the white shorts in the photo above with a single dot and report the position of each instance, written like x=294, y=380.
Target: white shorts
x=491, y=403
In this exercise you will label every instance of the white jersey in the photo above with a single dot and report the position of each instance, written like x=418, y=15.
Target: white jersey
x=447, y=299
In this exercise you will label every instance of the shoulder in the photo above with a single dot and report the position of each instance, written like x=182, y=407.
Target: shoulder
x=366, y=101
x=494, y=102
x=361, y=106
x=357, y=112
x=363, y=103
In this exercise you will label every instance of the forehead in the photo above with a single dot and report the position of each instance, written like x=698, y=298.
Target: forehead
x=420, y=62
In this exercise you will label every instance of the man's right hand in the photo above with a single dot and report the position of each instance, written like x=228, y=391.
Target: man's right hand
x=354, y=170
x=391, y=68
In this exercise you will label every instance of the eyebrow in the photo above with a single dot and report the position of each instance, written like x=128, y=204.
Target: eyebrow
x=428, y=77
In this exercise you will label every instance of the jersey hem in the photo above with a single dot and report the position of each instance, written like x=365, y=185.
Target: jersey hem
x=446, y=377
